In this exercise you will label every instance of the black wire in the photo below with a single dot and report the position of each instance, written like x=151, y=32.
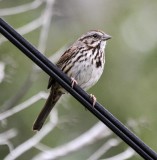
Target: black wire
x=99, y=111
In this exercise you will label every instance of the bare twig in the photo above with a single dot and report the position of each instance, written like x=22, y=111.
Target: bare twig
x=22, y=148
x=32, y=76
x=12, y=101
x=22, y=106
x=6, y=136
x=97, y=132
x=2, y=71
x=47, y=16
x=44, y=21
x=103, y=149
x=128, y=153
x=20, y=9
x=26, y=28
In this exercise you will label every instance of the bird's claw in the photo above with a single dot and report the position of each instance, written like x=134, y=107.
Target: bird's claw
x=73, y=82
x=93, y=99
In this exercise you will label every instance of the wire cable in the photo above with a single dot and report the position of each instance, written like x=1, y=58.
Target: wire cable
x=98, y=110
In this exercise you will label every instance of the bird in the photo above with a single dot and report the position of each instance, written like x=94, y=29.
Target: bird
x=83, y=62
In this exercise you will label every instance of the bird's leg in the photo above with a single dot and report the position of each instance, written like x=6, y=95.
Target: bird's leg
x=93, y=99
x=73, y=82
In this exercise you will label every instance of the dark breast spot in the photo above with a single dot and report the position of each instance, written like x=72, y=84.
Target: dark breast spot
x=98, y=63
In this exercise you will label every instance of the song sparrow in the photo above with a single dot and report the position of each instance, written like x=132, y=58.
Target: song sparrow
x=83, y=62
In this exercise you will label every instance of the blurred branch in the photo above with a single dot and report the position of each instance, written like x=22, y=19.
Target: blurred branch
x=134, y=124
x=42, y=147
x=20, y=9
x=27, y=145
x=46, y=21
x=103, y=149
x=2, y=71
x=22, y=106
x=128, y=153
x=11, y=102
x=94, y=134
x=6, y=136
x=26, y=28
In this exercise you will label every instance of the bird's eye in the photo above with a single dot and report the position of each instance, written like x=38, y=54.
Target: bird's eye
x=96, y=36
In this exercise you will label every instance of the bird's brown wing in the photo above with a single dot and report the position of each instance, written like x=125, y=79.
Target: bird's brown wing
x=65, y=57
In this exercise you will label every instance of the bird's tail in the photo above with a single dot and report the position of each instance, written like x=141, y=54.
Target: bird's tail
x=50, y=103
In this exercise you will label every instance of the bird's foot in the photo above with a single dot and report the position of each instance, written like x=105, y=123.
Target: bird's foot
x=73, y=82
x=93, y=99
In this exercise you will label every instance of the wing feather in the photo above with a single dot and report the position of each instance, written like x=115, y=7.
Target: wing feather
x=64, y=58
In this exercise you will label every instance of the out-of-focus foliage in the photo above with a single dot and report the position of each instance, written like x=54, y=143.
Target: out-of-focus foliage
x=128, y=87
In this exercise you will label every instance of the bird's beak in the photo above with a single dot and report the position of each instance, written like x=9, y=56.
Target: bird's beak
x=106, y=37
